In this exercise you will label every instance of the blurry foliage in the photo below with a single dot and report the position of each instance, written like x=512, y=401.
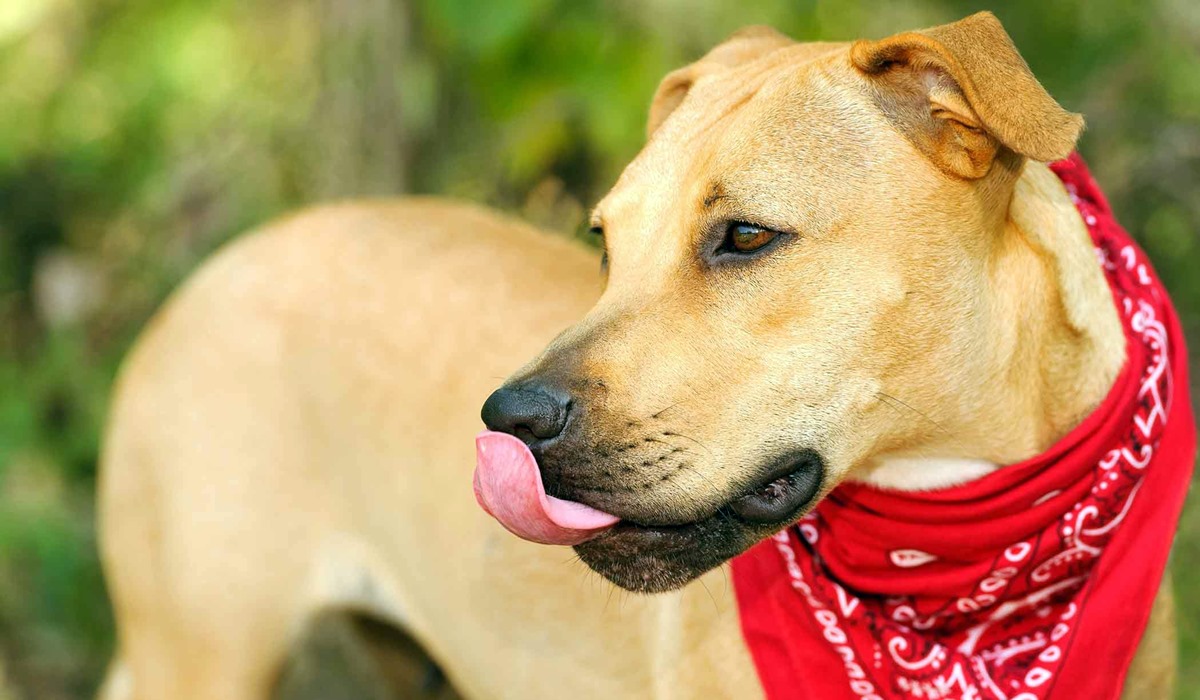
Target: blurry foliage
x=137, y=135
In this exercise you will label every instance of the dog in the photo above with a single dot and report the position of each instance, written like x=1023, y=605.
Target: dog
x=843, y=260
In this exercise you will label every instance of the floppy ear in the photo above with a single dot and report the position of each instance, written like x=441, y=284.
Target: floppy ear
x=961, y=91
x=742, y=46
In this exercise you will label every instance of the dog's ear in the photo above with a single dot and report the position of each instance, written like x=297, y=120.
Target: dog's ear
x=961, y=91
x=742, y=46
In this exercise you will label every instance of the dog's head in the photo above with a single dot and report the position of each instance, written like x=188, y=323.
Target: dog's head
x=800, y=255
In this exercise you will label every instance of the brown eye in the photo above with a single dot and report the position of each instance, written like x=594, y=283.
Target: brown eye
x=747, y=238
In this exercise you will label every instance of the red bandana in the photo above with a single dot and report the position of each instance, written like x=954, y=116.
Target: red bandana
x=1034, y=581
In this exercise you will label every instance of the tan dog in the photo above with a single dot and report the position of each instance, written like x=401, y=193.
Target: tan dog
x=811, y=229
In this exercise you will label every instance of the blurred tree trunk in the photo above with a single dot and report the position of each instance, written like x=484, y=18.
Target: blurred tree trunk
x=359, y=144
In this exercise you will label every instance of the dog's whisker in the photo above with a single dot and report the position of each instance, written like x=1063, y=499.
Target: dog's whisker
x=883, y=395
x=720, y=511
x=661, y=442
x=658, y=414
x=702, y=446
x=716, y=607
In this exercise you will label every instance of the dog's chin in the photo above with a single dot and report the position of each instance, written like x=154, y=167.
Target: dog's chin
x=656, y=559
x=649, y=559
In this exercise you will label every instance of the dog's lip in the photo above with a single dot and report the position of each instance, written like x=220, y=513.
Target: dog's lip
x=657, y=537
x=798, y=478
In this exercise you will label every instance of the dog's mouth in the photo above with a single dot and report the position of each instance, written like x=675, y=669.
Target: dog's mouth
x=641, y=556
x=783, y=492
x=773, y=501
x=657, y=558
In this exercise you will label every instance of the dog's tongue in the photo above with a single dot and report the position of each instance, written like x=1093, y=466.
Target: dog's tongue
x=508, y=485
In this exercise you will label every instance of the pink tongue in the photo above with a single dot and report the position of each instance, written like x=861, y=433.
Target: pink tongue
x=508, y=484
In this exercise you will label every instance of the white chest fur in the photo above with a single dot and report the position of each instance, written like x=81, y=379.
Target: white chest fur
x=925, y=473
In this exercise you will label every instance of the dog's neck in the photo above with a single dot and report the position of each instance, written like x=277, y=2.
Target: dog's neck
x=1057, y=346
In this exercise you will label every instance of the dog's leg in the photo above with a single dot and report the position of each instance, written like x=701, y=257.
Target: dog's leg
x=207, y=588
x=1152, y=673
x=196, y=622
x=163, y=658
x=191, y=638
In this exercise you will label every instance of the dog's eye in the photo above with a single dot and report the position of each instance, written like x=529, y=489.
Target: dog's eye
x=598, y=232
x=743, y=238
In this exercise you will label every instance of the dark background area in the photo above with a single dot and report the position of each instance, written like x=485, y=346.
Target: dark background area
x=137, y=136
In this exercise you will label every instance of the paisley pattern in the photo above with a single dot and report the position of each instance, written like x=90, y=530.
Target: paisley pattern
x=977, y=591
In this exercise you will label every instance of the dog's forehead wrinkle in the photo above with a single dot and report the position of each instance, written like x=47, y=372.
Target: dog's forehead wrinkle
x=711, y=101
x=762, y=144
x=778, y=164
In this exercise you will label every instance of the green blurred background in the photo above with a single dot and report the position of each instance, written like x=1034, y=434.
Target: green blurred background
x=137, y=136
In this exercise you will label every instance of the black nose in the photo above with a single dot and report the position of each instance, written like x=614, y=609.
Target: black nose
x=531, y=413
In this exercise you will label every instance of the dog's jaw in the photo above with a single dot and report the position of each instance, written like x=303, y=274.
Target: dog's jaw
x=655, y=559
x=661, y=559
